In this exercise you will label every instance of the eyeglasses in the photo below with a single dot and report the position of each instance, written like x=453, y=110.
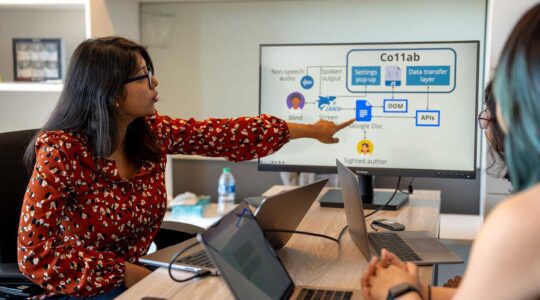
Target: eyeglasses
x=484, y=119
x=147, y=76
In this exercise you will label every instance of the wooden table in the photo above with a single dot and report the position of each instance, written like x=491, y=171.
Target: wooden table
x=310, y=261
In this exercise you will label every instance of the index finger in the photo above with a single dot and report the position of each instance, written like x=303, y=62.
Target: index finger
x=345, y=124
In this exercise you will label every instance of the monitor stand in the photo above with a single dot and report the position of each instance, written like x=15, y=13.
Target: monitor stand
x=370, y=198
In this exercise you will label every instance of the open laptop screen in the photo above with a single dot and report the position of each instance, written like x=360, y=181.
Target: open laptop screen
x=354, y=210
x=245, y=258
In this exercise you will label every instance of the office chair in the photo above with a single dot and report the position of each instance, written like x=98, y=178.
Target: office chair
x=14, y=178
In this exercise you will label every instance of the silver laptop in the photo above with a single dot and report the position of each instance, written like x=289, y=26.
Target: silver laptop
x=283, y=211
x=286, y=210
x=414, y=246
x=251, y=267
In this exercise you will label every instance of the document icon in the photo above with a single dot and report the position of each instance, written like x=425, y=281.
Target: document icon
x=393, y=76
x=363, y=111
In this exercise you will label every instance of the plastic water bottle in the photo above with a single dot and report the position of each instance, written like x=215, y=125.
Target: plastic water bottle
x=226, y=188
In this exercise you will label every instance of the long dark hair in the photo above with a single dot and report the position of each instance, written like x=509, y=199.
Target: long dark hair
x=517, y=90
x=87, y=104
x=496, y=134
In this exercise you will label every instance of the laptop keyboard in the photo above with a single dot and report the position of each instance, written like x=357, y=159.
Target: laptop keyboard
x=393, y=243
x=323, y=295
x=198, y=258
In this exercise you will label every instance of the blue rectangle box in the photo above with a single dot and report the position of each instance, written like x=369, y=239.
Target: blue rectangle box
x=438, y=112
x=366, y=76
x=428, y=75
x=400, y=108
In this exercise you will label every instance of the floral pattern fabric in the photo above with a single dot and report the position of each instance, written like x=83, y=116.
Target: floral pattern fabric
x=80, y=220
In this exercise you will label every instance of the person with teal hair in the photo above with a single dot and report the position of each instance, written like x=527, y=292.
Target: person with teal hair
x=504, y=261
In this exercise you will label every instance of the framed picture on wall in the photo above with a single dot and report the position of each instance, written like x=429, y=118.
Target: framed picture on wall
x=37, y=59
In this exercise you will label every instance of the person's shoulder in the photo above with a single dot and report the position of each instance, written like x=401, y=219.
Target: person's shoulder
x=523, y=206
x=59, y=136
x=506, y=245
x=65, y=141
x=517, y=217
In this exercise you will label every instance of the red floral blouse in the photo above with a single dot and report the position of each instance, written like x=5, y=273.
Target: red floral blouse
x=80, y=220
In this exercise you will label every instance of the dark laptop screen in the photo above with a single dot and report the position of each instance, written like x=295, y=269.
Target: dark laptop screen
x=245, y=258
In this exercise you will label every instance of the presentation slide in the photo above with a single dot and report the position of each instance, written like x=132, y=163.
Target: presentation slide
x=414, y=104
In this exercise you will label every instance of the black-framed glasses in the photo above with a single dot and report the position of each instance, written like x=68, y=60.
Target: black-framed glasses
x=484, y=119
x=147, y=76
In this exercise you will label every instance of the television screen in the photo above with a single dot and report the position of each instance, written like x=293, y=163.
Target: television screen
x=414, y=106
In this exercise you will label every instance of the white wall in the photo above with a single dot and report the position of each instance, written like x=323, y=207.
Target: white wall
x=24, y=23
x=25, y=110
x=113, y=17
x=505, y=15
x=21, y=111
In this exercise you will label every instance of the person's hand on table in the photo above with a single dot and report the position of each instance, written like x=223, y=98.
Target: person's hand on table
x=386, y=278
x=387, y=272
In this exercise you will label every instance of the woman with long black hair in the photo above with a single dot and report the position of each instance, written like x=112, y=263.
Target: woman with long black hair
x=96, y=197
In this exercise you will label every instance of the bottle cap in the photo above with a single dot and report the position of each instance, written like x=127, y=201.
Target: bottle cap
x=226, y=170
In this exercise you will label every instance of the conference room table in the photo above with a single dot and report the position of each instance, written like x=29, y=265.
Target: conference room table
x=310, y=261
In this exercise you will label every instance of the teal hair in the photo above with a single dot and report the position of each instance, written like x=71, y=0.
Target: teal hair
x=517, y=91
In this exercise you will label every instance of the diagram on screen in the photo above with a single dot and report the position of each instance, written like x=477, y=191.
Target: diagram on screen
x=391, y=90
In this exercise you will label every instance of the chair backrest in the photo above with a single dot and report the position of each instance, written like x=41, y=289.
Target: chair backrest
x=14, y=178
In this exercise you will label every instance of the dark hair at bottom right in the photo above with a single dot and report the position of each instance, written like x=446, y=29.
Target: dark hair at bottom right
x=496, y=134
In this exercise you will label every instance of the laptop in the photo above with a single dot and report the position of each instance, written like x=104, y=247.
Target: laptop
x=281, y=211
x=251, y=267
x=414, y=246
x=286, y=210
